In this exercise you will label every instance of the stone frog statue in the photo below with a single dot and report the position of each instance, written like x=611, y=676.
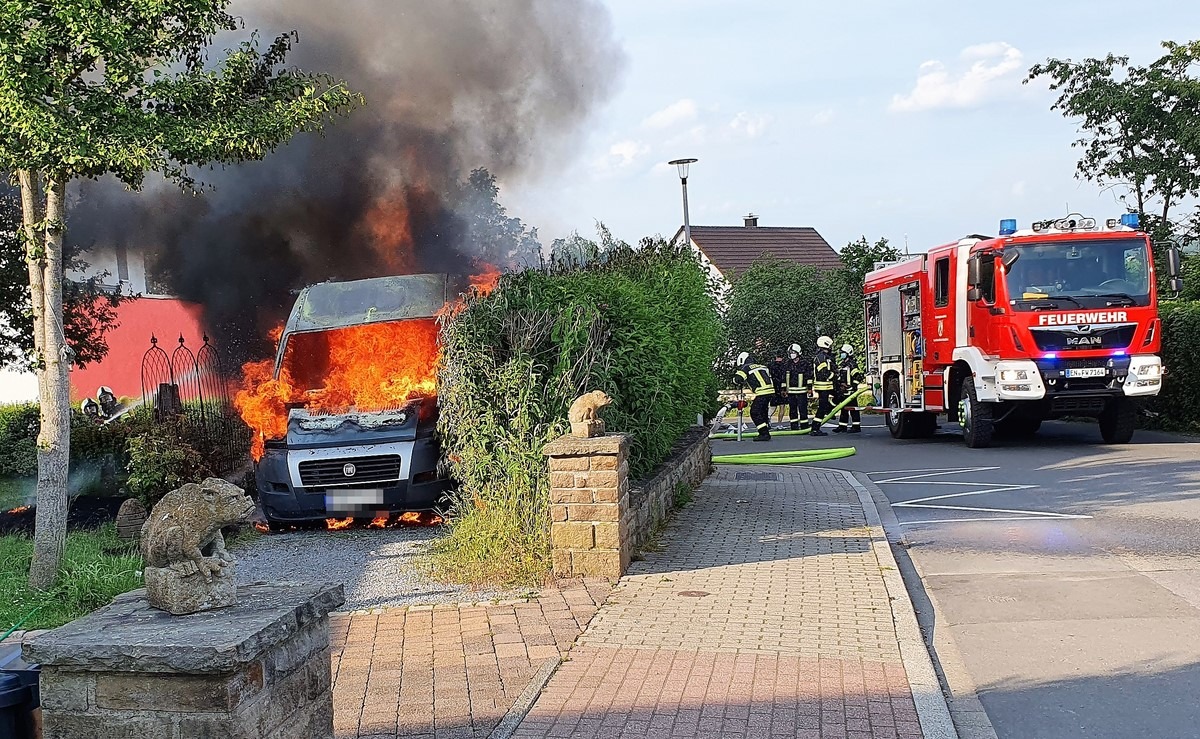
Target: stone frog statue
x=584, y=413
x=187, y=567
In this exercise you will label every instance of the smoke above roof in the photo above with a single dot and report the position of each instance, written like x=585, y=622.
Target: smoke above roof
x=451, y=86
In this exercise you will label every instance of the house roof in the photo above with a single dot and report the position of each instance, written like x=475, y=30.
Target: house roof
x=732, y=249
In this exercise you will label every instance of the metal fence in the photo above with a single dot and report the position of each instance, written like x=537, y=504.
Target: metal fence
x=190, y=391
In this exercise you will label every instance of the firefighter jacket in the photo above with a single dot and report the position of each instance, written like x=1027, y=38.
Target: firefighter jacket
x=824, y=371
x=849, y=375
x=797, y=375
x=757, y=378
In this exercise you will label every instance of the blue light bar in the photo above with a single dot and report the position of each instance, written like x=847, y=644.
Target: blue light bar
x=1119, y=353
x=1050, y=355
x=1008, y=226
x=1131, y=220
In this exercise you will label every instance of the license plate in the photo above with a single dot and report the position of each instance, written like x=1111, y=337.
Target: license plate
x=1086, y=372
x=354, y=500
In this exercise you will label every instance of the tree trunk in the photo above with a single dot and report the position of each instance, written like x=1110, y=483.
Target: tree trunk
x=54, y=439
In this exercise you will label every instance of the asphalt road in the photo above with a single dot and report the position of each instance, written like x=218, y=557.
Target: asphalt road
x=1064, y=573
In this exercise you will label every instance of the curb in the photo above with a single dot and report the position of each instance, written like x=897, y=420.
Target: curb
x=512, y=720
x=932, y=709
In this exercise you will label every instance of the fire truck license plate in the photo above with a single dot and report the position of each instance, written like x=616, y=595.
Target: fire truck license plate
x=1086, y=372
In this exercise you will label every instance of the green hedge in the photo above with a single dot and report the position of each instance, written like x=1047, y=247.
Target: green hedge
x=1178, y=406
x=18, y=440
x=642, y=325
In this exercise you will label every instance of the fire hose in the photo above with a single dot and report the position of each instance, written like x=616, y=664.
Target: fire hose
x=807, y=455
x=862, y=393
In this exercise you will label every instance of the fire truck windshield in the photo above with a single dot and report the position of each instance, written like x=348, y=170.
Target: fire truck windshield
x=1082, y=274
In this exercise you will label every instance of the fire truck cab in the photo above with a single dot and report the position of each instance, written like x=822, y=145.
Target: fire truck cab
x=1001, y=333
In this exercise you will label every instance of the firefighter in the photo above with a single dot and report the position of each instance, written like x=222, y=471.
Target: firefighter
x=758, y=379
x=824, y=373
x=778, y=369
x=849, y=377
x=797, y=381
x=91, y=409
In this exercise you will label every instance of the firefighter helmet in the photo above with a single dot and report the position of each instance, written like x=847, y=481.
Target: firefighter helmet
x=847, y=349
x=795, y=349
x=743, y=358
x=825, y=342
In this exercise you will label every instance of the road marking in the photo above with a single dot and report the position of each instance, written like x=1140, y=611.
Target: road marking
x=921, y=477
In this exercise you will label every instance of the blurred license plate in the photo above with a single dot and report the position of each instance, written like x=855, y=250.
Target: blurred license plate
x=1086, y=372
x=354, y=500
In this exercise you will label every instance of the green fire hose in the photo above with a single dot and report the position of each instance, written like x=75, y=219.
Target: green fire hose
x=777, y=458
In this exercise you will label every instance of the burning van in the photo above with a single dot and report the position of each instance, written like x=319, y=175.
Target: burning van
x=344, y=417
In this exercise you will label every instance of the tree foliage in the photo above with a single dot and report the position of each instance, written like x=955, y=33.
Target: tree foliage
x=1140, y=124
x=502, y=240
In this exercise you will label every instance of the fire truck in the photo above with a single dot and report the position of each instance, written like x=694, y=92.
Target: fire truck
x=1002, y=332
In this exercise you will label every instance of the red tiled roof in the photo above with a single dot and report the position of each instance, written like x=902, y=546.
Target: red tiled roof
x=734, y=248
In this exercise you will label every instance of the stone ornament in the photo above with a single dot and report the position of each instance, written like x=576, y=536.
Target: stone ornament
x=187, y=569
x=585, y=421
x=130, y=518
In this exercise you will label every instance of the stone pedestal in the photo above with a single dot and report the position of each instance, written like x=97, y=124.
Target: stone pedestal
x=589, y=504
x=257, y=670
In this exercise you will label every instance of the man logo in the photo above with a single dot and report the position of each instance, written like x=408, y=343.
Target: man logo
x=348, y=470
x=1084, y=329
x=1085, y=341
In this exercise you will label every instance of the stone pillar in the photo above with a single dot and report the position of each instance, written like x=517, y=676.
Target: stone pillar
x=589, y=506
x=257, y=670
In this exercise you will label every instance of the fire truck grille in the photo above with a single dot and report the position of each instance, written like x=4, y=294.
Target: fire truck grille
x=1116, y=337
x=362, y=470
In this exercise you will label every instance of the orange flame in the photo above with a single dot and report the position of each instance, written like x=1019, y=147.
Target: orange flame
x=19, y=509
x=486, y=281
x=337, y=524
x=262, y=527
x=379, y=522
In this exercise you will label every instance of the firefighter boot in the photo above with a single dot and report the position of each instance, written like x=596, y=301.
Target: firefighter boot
x=856, y=429
x=816, y=429
x=795, y=426
x=763, y=435
x=840, y=429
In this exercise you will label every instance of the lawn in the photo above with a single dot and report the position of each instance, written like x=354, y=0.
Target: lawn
x=97, y=567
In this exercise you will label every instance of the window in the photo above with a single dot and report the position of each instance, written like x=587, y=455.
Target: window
x=987, y=278
x=941, y=282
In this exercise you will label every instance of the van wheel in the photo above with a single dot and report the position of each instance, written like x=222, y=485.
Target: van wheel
x=896, y=421
x=1118, y=421
x=975, y=417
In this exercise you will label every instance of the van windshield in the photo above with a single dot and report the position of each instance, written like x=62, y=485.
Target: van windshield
x=1083, y=274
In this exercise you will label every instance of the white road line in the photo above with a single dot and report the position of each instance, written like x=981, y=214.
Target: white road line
x=930, y=473
x=1003, y=489
x=982, y=519
x=1046, y=514
x=932, y=469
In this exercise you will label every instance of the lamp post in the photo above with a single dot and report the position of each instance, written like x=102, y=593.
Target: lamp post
x=682, y=165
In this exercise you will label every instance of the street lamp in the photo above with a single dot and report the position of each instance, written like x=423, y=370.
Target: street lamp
x=682, y=165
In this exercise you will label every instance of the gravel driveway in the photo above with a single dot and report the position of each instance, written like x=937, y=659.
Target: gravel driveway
x=378, y=568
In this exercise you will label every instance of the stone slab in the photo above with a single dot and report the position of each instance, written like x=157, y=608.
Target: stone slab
x=131, y=636
x=572, y=446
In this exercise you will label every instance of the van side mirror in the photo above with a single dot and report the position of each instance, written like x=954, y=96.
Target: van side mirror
x=973, y=270
x=974, y=295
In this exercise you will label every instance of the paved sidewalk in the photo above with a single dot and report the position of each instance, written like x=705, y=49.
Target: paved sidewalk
x=449, y=671
x=766, y=614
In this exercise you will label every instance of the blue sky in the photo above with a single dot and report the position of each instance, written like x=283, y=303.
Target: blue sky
x=868, y=118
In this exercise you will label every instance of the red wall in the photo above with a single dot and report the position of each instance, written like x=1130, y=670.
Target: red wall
x=121, y=370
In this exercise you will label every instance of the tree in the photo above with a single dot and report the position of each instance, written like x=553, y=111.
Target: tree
x=578, y=251
x=1140, y=124
x=89, y=310
x=860, y=257
x=503, y=241
x=89, y=89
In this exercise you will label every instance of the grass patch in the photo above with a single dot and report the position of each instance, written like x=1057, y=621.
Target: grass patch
x=684, y=494
x=97, y=567
x=497, y=544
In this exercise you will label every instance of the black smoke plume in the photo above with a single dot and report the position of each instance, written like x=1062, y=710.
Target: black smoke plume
x=451, y=86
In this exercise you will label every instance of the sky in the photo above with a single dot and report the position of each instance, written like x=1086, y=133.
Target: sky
x=872, y=118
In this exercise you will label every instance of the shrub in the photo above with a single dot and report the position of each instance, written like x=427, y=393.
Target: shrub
x=1178, y=406
x=160, y=460
x=18, y=439
x=639, y=324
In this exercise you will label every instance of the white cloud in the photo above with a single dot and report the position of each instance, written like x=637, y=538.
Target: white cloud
x=822, y=117
x=990, y=68
x=676, y=113
x=750, y=125
x=621, y=156
x=1018, y=189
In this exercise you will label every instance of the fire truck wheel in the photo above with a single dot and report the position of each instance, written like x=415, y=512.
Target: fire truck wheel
x=975, y=417
x=1117, y=422
x=896, y=421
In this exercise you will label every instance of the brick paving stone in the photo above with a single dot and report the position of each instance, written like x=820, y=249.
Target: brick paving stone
x=764, y=614
x=449, y=671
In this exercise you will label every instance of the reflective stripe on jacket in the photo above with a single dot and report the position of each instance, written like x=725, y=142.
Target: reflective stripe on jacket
x=758, y=379
x=824, y=370
x=796, y=376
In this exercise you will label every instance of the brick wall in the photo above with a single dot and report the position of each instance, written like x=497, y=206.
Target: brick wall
x=598, y=518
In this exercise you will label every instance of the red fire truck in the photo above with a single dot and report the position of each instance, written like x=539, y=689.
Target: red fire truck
x=1000, y=333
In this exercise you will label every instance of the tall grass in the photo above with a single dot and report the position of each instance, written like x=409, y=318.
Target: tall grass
x=641, y=325
x=97, y=567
